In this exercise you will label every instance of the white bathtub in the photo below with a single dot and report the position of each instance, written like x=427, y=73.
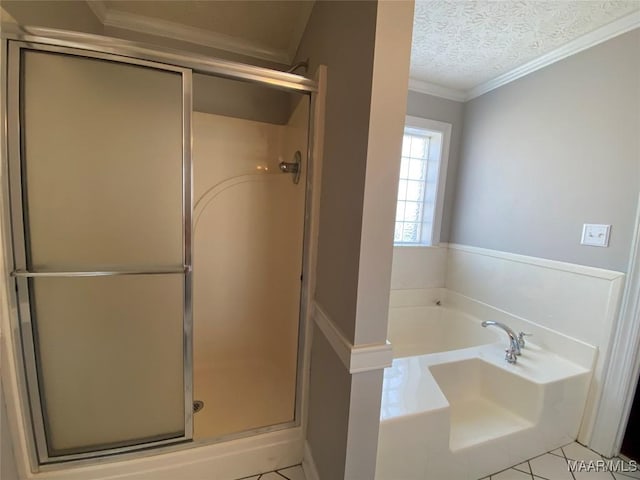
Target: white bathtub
x=454, y=409
x=422, y=330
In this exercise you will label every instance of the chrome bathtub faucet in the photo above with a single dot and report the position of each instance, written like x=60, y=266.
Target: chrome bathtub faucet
x=516, y=342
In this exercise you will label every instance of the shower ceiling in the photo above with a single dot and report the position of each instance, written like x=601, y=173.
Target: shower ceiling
x=268, y=30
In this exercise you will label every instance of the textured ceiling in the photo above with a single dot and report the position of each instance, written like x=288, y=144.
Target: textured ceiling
x=272, y=24
x=461, y=44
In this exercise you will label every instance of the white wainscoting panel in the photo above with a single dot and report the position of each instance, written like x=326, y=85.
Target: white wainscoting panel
x=575, y=300
x=418, y=267
x=416, y=297
x=578, y=301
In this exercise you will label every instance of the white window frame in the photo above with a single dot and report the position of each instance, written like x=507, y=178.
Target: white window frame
x=444, y=129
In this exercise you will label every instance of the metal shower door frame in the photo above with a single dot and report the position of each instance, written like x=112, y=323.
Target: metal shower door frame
x=21, y=275
x=138, y=53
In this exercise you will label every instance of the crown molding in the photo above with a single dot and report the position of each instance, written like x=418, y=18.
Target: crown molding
x=591, y=39
x=177, y=31
x=421, y=86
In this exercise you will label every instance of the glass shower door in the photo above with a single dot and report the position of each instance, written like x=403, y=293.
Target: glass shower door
x=100, y=194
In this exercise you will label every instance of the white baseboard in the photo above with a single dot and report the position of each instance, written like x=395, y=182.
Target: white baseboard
x=308, y=465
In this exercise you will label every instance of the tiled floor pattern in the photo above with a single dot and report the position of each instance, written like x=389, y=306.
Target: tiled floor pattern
x=554, y=465
x=289, y=473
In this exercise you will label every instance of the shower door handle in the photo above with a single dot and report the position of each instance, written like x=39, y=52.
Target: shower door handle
x=293, y=167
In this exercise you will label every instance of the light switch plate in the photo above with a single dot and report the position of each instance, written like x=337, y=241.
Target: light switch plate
x=595, y=235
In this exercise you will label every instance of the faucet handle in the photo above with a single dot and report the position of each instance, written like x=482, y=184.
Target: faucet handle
x=521, y=336
x=510, y=355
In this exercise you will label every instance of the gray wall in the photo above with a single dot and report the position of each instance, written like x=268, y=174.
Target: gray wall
x=329, y=402
x=340, y=35
x=449, y=111
x=551, y=151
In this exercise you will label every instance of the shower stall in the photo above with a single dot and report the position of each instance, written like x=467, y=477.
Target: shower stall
x=155, y=218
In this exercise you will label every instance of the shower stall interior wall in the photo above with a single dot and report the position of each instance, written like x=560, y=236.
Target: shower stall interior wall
x=157, y=251
x=248, y=237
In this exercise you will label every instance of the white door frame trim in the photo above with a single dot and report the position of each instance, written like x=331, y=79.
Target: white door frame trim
x=623, y=365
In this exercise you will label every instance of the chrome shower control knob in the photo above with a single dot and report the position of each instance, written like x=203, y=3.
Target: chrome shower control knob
x=286, y=167
x=293, y=167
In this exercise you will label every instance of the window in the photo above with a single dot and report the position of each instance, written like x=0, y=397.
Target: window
x=423, y=167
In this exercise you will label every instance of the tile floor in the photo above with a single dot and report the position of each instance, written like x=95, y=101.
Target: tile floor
x=552, y=465
x=555, y=465
x=289, y=473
